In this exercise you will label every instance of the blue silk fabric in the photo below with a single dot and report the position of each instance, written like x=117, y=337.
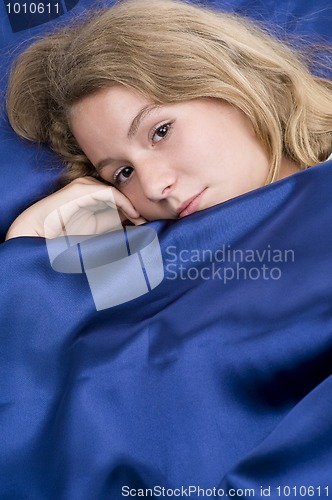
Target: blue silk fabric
x=30, y=172
x=217, y=378
x=203, y=381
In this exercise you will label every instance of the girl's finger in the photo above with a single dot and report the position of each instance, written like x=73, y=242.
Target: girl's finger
x=118, y=200
x=138, y=220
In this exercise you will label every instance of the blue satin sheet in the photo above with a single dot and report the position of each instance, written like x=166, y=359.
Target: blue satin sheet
x=216, y=383
x=29, y=172
x=210, y=380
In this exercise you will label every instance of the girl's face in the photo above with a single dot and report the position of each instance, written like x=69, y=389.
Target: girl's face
x=169, y=160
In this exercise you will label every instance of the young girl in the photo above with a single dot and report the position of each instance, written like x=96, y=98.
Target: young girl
x=164, y=109
x=219, y=377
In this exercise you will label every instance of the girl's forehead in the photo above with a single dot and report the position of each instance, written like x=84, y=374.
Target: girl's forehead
x=115, y=94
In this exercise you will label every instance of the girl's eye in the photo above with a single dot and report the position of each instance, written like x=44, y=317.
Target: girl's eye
x=122, y=175
x=161, y=132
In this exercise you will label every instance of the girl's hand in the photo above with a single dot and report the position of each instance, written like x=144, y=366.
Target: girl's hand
x=85, y=206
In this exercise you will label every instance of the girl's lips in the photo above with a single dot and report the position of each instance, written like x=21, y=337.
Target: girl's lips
x=191, y=205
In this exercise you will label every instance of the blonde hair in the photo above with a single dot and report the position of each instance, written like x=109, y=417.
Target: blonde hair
x=170, y=51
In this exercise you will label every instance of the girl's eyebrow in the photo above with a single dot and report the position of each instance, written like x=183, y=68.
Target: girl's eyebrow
x=102, y=164
x=141, y=115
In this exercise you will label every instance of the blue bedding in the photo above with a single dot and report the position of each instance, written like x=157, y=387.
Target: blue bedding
x=219, y=377
x=215, y=381
x=29, y=172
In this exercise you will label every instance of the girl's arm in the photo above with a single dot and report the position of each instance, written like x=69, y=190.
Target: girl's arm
x=85, y=206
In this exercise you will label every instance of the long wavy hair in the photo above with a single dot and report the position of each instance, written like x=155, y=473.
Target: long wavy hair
x=171, y=51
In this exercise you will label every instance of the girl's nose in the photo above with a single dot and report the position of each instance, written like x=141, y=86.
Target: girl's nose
x=157, y=181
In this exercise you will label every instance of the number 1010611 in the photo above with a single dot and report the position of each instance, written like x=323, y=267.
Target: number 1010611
x=302, y=491
x=33, y=8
